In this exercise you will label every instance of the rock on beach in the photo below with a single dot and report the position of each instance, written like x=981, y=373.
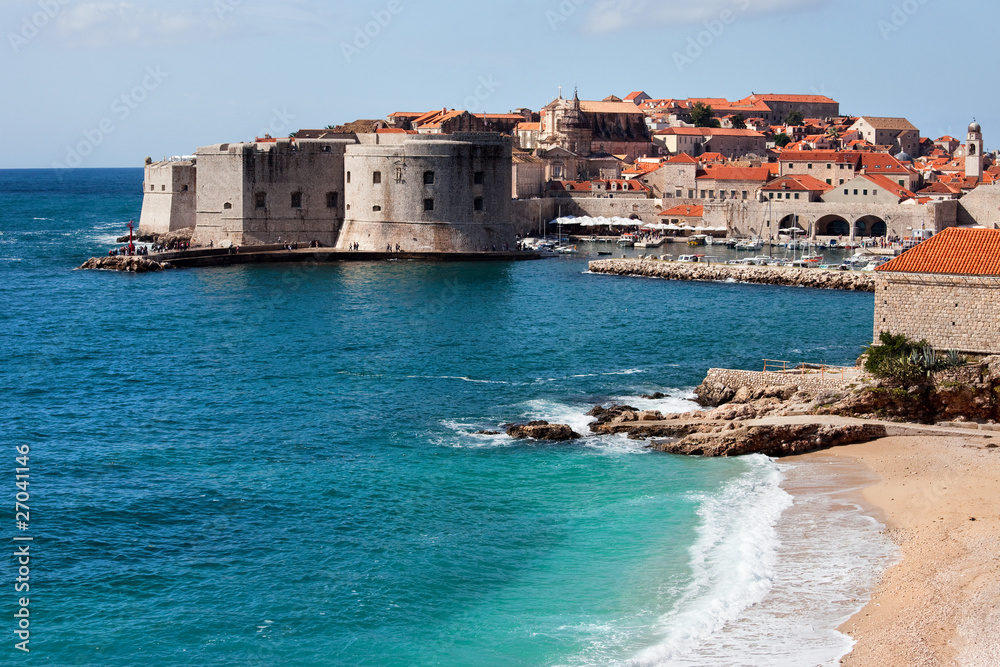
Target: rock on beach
x=856, y=281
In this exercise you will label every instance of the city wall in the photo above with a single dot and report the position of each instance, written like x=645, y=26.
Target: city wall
x=735, y=380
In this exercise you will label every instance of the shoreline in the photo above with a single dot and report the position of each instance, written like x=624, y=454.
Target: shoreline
x=937, y=496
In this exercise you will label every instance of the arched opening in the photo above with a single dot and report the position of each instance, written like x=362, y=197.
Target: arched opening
x=790, y=221
x=870, y=225
x=833, y=225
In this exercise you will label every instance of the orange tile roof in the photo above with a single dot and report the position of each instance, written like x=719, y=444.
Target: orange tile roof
x=691, y=211
x=800, y=182
x=889, y=185
x=683, y=158
x=955, y=251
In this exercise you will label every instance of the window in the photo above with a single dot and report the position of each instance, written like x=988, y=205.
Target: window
x=184, y=188
x=478, y=178
x=864, y=192
x=845, y=191
x=428, y=204
x=376, y=177
x=260, y=200
x=163, y=188
x=770, y=195
x=690, y=194
x=428, y=178
x=744, y=194
x=332, y=199
x=809, y=166
x=703, y=193
x=477, y=204
x=348, y=177
x=732, y=194
x=829, y=166
x=151, y=187
x=902, y=183
x=227, y=206
x=376, y=208
x=829, y=181
x=855, y=192
x=296, y=200
x=841, y=183
x=796, y=195
x=679, y=193
x=711, y=194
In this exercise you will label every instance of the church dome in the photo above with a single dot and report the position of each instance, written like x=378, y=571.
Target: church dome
x=975, y=127
x=904, y=157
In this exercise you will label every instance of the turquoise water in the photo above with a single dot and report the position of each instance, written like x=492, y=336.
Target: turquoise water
x=277, y=465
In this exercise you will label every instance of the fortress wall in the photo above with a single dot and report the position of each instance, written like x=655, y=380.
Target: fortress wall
x=758, y=380
x=169, y=197
x=429, y=193
x=950, y=312
x=270, y=193
x=980, y=207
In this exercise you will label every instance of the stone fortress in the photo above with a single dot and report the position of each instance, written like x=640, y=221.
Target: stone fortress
x=380, y=191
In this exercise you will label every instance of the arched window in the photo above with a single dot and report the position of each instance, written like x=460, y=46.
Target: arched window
x=227, y=206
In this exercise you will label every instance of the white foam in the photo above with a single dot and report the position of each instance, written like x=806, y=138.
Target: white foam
x=732, y=562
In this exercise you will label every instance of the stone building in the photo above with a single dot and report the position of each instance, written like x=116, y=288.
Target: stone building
x=168, y=201
x=428, y=193
x=697, y=140
x=588, y=127
x=944, y=290
x=779, y=106
x=897, y=133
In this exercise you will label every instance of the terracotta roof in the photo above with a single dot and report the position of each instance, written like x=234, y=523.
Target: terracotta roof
x=610, y=107
x=798, y=182
x=956, y=251
x=709, y=131
x=888, y=185
x=685, y=210
x=528, y=127
x=801, y=99
x=721, y=173
x=683, y=158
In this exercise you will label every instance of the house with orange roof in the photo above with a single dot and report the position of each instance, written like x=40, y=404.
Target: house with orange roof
x=944, y=291
x=779, y=106
x=603, y=188
x=939, y=191
x=722, y=183
x=897, y=133
x=868, y=189
x=691, y=215
x=675, y=178
x=802, y=187
x=697, y=140
x=447, y=121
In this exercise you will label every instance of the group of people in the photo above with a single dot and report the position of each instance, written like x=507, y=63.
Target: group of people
x=354, y=247
x=388, y=248
x=129, y=250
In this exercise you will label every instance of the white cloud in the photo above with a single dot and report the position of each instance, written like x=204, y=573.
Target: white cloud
x=614, y=15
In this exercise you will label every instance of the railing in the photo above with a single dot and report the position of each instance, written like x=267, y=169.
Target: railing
x=771, y=366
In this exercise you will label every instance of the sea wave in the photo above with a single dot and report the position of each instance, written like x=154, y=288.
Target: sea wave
x=732, y=562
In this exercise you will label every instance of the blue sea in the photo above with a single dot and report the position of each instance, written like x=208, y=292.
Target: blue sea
x=279, y=465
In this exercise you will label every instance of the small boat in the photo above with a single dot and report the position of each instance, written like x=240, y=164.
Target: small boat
x=691, y=259
x=697, y=239
x=603, y=252
x=627, y=240
x=649, y=243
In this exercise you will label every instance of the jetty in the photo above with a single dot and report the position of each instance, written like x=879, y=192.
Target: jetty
x=278, y=254
x=855, y=281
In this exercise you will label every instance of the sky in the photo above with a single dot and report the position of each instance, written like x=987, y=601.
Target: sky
x=106, y=84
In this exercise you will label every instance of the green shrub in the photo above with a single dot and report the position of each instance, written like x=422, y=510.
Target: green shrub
x=905, y=361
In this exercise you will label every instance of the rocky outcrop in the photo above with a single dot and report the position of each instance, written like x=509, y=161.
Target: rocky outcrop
x=856, y=281
x=542, y=430
x=772, y=439
x=129, y=263
x=966, y=393
x=167, y=239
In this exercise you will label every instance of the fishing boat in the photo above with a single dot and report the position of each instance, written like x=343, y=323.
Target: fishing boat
x=697, y=239
x=627, y=240
x=691, y=259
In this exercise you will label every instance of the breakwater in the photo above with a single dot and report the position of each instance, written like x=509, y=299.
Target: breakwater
x=854, y=281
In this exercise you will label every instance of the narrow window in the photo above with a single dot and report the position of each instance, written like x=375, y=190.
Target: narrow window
x=864, y=192
x=744, y=194
x=296, y=200
x=478, y=178
x=679, y=193
x=376, y=177
x=227, y=206
x=163, y=188
x=428, y=204
x=855, y=192
x=348, y=177
x=796, y=195
x=845, y=191
x=331, y=200
x=770, y=195
x=260, y=200
x=428, y=178
x=184, y=188
x=477, y=204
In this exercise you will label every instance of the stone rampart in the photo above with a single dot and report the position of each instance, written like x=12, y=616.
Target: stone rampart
x=736, y=380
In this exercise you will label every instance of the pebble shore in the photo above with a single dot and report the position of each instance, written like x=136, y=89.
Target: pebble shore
x=855, y=281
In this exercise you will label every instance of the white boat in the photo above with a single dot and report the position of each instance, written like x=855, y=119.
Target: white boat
x=690, y=259
x=649, y=243
x=627, y=240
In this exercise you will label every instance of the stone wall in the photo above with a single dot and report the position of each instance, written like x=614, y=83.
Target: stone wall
x=980, y=207
x=168, y=201
x=755, y=380
x=950, y=312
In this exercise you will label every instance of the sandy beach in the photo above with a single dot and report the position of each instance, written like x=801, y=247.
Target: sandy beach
x=940, y=500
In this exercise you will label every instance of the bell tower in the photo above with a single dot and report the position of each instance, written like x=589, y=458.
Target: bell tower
x=974, y=152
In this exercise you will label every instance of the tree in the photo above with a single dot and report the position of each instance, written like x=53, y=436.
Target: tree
x=794, y=118
x=781, y=140
x=739, y=122
x=330, y=127
x=701, y=115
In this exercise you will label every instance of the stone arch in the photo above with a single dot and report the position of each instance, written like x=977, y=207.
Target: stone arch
x=833, y=225
x=870, y=225
x=789, y=221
